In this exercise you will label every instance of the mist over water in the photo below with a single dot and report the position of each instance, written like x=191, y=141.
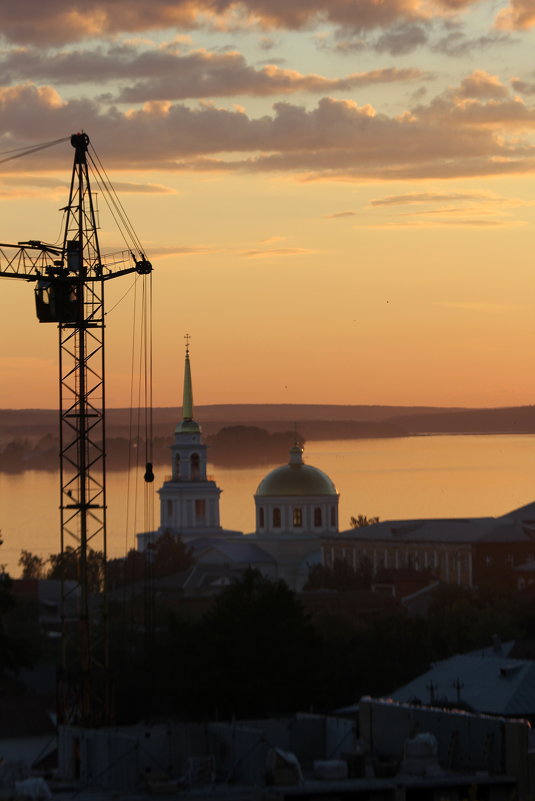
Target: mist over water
x=429, y=476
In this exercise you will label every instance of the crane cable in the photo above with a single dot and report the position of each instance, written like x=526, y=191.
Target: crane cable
x=19, y=152
x=113, y=202
x=140, y=411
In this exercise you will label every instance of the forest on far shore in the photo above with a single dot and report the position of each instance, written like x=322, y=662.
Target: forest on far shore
x=231, y=446
x=247, y=435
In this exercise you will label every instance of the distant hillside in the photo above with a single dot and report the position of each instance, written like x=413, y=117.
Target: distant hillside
x=512, y=420
x=35, y=423
x=314, y=421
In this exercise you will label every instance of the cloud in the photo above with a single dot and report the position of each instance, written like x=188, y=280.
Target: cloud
x=337, y=215
x=525, y=87
x=401, y=39
x=473, y=129
x=455, y=43
x=481, y=85
x=56, y=22
x=144, y=189
x=519, y=16
x=447, y=223
x=277, y=252
x=193, y=250
x=168, y=74
x=228, y=76
x=411, y=198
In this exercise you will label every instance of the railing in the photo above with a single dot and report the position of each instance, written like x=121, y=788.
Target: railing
x=172, y=478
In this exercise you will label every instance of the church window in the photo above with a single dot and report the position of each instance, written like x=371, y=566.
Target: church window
x=200, y=509
x=169, y=508
x=318, y=517
x=261, y=522
x=298, y=517
x=276, y=517
x=177, y=466
x=195, y=466
x=333, y=516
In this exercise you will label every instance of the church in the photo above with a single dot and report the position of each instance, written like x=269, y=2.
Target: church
x=296, y=505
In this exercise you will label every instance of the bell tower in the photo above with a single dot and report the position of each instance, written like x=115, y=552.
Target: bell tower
x=189, y=500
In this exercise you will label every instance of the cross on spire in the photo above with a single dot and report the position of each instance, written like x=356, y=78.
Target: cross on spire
x=187, y=338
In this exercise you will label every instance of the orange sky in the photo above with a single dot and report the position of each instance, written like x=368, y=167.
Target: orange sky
x=337, y=197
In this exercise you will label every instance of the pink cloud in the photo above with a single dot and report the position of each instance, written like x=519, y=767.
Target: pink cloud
x=520, y=15
x=56, y=22
x=472, y=129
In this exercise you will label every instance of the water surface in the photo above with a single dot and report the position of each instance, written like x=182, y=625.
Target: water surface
x=428, y=476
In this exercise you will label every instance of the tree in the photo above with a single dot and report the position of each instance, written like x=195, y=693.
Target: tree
x=66, y=566
x=361, y=520
x=267, y=649
x=341, y=576
x=253, y=654
x=125, y=571
x=170, y=555
x=13, y=648
x=33, y=566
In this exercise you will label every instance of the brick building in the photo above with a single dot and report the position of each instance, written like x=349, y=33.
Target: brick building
x=456, y=551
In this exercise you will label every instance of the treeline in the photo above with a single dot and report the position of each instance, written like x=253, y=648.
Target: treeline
x=165, y=557
x=22, y=454
x=255, y=652
x=231, y=446
x=246, y=446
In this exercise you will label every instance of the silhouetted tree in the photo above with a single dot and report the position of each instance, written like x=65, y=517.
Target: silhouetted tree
x=361, y=520
x=33, y=566
x=66, y=565
x=341, y=576
x=14, y=652
x=169, y=555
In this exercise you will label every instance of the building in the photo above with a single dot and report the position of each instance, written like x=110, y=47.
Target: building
x=296, y=499
x=381, y=750
x=189, y=498
x=295, y=505
x=488, y=680
x=465, y=551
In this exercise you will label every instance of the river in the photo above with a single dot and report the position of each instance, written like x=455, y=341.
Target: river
x=426, y=476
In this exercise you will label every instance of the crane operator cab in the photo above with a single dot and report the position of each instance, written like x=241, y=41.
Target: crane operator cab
x=56, y=293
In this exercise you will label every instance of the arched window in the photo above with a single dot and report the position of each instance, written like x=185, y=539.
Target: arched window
x=276, y=517
x=261, y=522
x=177, y=465
x=318, y=517
x=333, y=516
x=298, y=517
x=195, y=466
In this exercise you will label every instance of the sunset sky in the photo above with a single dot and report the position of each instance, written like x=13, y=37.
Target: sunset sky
x=338, y=196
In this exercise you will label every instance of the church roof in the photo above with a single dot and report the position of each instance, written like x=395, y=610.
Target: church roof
x=238, y=552
x=296, y=479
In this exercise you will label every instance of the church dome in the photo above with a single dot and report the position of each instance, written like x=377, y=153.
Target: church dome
x=296, y=479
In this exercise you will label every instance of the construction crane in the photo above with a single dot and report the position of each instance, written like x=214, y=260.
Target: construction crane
x=69, y=285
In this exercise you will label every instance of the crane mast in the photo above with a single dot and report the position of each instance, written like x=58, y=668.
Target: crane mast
x=69, y=291
x=82, y=451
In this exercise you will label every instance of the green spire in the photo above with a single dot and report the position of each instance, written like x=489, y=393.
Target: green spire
x=187, y=399
x=188, y=425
